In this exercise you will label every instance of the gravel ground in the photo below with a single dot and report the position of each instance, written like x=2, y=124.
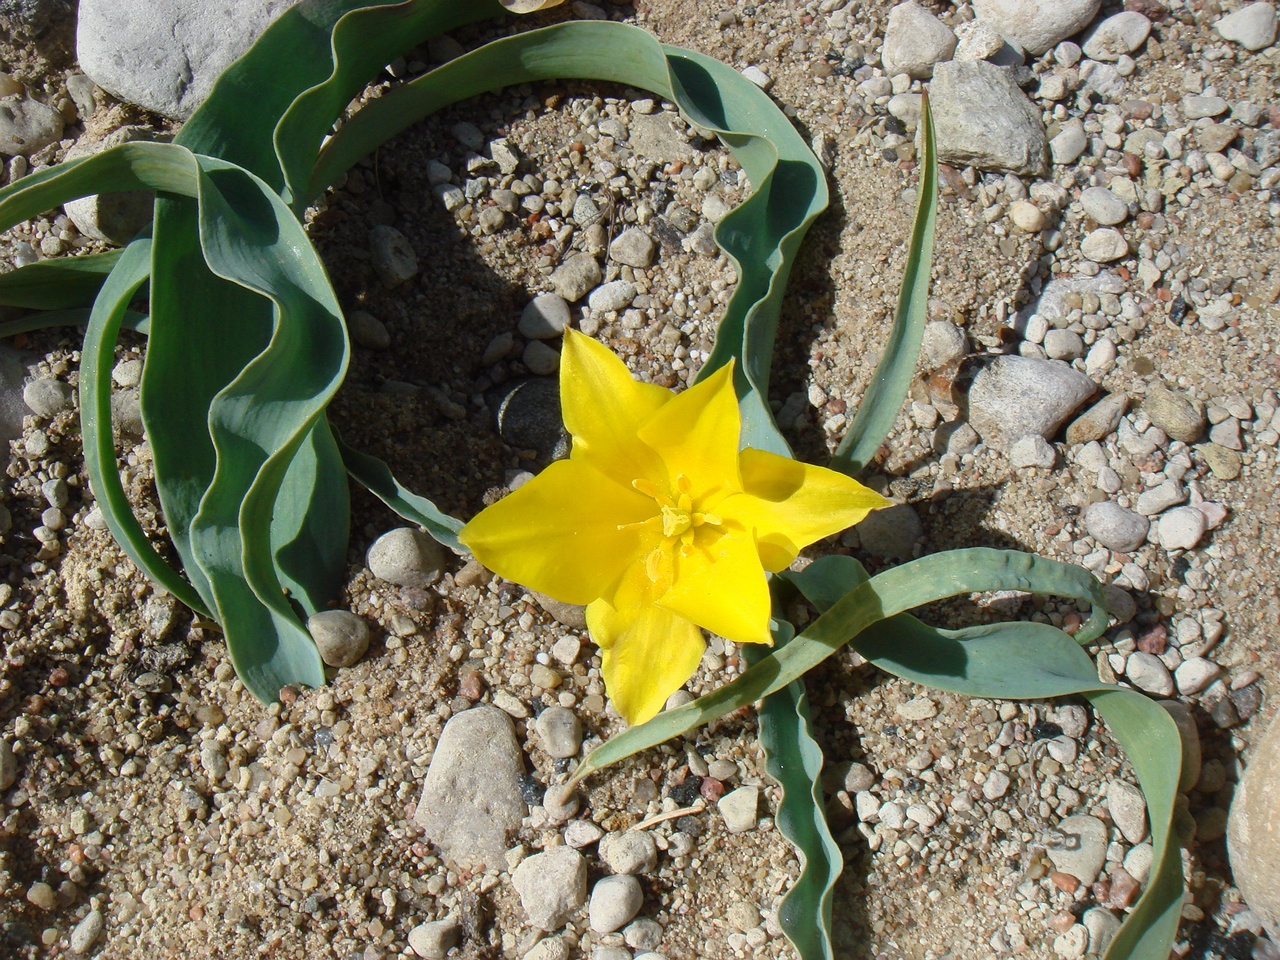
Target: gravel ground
x=157, y=809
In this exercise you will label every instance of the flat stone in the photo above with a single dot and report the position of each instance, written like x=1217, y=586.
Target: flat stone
x=1148, y=673
x=739, y=809
x=1037, y=25
x=552, y=948
x=1181, y=528
x=47, y=397
x=407, y=557
x=394, y=259
x=471, y=796
x=614, y=295
x=1198, y=107
x=917, y=709
x=1063, y=345
x=614, y=903
x=1181, y=417
x=341, y=637
x=573, y=278
x=27, y=126
x=1104, y=245
x=1104, y=206
x=560, y=731
x=1116, y=527
x=633, y=851
x=1098, y=421
x=1223, y=462
x=915, y=40
x=634, y=248
x=1216, y=137
x=86, y=933
x=1116, y=36
x=552, y=886
x=1033, y=451
x=1195, y=674
x=166, y=55
x=1253, y=829
x=1252, y=26
x=1012, y=397
x=1128, y=810
x=1160, y=498
x=434, y=939
x=982, y=117
x=1079, y=847
x=1069, y=143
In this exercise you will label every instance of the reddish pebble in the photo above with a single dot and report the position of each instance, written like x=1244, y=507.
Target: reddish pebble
x=196, y=912
x=288, y=694
x=471, y=685
x=1124, y=888
x=1064, y=881
x=711, y=789
x=59, y=677
x=1132, y=164
x=1101, y=891
x=1154, y=639
x=1063, y=921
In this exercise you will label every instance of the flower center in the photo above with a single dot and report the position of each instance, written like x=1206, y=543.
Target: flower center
x=680, y=520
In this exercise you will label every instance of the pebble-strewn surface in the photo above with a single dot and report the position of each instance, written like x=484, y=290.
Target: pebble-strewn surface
x=1099, y=383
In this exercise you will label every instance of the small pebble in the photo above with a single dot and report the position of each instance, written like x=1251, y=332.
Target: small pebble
x=341, y=637
x=87, y=932
x=739, y=809
x=545, y=318
x=631, y=852
x=615, y=900
x=406, y=557
x=435, y=938
x=552, y=886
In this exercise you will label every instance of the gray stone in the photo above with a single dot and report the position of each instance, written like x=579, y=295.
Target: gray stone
x=1181, y=528
x=48, y=397
x=87, y=932
x=891, y=533
x=1069, y=143
x=1115, y=527
x=1226, y=434
x=942, y=343
x=471, y=796
x=1104, y=245
x=634, y=248
x=1079, y=847
x=1033, y=451
x=739, y=809
x=341, y=637
x=491, y=220
x=1225, y=463
x=506, y=156
x=1063, y=345
x=573, y=278
x=1128, y=810
x=978, y=40
x=1216, y=137
x=112, y=217
x=614, y=295
x=1198, y=107
x=1098, y=421
x=561, y=732
x=1012, y=397
x=631, y=852
x=394, y=259
x=406, y=557
x=434, y=939
x=981, y=117
x=27, y=126
x=582, y=833
x=552, y=948
x=1037, y=25
x=1027, y=216
x=1195, y=674
x=1116, y=36
x=1102, y=925
x=1104, y=206
x=528, y=417
x=552, y=886
x=1178, y=415
x=1253, y=27
x=1148, y=673
x=368, y=331
x=659, y=137
x=541, y=359
x=914, y=41
x=1160, y=498
x=643, y=934
x=1253, y=829
x=165, y=55
x=614, y=902
x=8, y=766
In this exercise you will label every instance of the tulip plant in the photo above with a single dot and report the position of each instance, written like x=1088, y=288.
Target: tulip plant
x=673, y=514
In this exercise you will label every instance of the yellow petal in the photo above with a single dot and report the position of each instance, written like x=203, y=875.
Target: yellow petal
x=697, y=435
x=647, y=653
x=791, y=504
x=720, y=584
x=603, y=408
x=564, y=533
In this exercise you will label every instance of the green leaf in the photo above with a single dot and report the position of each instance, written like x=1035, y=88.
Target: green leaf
x=761, y=236
x=58, y=284
x=794, y=760
x=376, y=476
x=884, y=398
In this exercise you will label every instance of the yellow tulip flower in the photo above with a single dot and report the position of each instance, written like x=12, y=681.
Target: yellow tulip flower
x=659, y=523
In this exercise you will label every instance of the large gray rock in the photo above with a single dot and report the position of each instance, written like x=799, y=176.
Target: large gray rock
x=1253, y=26
x=165, y=55
x=1037, y=25
x=471, y=797
x=981, y=117
x=1253, y=830
x=1015, y=396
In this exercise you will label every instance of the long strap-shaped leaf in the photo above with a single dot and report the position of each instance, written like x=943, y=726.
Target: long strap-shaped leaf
x=880, y=405
x=993, y=658
x=58, y=284
x=761, y=235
